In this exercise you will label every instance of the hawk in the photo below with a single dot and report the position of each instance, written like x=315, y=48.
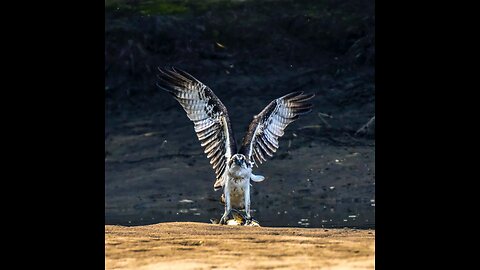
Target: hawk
x=233, y=169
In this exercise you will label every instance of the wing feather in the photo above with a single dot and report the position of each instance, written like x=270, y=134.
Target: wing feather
x=269, y=125
x=207, y=112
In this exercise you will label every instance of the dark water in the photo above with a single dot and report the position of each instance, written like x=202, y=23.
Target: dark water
x=249, y=53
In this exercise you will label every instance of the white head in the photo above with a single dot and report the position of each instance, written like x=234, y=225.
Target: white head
x=239, y=160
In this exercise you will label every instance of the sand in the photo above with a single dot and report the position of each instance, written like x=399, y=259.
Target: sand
x=191, y=245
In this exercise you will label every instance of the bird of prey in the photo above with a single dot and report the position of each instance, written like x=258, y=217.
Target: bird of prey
x=233, y=169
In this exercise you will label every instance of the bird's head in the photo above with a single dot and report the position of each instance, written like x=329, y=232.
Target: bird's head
x=238, y=160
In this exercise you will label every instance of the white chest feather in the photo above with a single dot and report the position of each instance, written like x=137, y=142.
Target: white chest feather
x=239, y=173
x=238, y=185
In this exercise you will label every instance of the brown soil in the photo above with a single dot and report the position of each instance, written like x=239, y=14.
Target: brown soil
x=189, y=245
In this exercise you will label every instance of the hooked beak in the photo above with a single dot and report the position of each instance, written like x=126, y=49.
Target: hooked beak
x=238, y=162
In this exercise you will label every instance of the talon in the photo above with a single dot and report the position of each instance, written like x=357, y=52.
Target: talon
x=223, y=220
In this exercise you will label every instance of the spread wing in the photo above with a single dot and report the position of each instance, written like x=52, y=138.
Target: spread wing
x=269, y=125
x=208, y=114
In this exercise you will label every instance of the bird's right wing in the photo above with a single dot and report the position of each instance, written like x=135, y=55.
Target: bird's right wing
x=208, y=114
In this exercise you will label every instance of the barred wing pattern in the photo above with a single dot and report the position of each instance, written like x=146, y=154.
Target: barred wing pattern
x=269, y=125
x=208, y=114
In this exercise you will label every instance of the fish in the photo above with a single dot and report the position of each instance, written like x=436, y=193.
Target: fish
x=237, y=219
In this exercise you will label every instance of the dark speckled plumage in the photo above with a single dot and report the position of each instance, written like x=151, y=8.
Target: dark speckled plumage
x=266, y=127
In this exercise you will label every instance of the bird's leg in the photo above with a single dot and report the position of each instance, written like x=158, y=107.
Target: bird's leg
x=247, y=203
x=228, y=207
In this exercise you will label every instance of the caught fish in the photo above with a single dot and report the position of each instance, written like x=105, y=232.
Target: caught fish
x=238, y=219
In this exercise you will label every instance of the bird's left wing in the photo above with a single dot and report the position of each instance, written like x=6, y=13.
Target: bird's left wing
x=268, y=126
x=209, y=115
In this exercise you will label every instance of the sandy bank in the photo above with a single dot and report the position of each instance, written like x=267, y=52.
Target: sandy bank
x=188, y=245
